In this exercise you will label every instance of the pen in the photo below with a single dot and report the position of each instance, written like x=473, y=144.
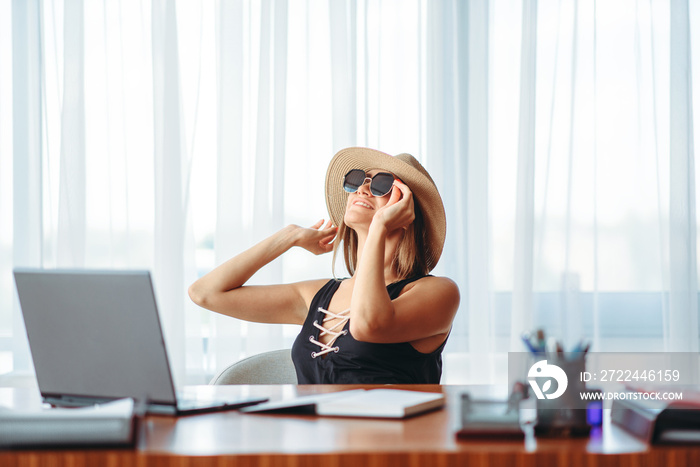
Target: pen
x=526, y=340
x=540, y=340
x=560, y=349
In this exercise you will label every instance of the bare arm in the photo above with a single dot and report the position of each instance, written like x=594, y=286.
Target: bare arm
x=222, y=290
x=423, y=311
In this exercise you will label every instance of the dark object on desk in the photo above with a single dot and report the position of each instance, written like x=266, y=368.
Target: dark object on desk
x=565, y=416
x=560, y=413
x=111, y=424
x=561, y=417
x=659, y=422
x=490, y=419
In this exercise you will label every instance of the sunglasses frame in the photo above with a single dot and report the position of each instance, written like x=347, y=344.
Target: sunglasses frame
x=371, y=181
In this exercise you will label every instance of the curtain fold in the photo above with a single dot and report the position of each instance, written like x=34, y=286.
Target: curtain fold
x=250, y=165
x=570, y=320
x=72, y=190
x=472, y=131
x=523, y=267
x=27, y=188
x=343, y=37
x=224, y=331
x=457, y=156
x=7, y=312
x=267, y=192
x=683, y=319
x=440, y=139
x=170, y=172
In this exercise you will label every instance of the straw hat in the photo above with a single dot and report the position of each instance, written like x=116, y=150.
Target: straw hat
x=405, y=167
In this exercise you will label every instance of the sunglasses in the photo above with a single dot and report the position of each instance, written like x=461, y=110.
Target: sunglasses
x=380, y=185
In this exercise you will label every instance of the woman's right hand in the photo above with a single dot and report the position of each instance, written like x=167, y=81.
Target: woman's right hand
x=315, y=239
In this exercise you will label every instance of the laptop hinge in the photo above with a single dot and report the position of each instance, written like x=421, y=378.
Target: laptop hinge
x=161, y=408
x=74, y=401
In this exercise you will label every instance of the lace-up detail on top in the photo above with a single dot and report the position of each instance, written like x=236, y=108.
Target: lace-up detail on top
x=356, y=362
x=343, y=317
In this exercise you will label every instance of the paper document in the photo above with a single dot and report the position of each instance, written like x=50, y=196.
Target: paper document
x=111, y=423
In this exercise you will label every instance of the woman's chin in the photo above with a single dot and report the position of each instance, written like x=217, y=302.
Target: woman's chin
x=358, y=220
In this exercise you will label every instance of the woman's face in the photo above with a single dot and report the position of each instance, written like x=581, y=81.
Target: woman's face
x=362, y=205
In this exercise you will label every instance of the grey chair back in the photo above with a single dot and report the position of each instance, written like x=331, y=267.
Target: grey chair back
x=275, y=367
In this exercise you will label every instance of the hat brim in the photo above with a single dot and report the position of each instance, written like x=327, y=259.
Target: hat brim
x=405, y=167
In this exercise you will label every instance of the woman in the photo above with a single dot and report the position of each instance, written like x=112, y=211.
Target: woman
x=389, y=321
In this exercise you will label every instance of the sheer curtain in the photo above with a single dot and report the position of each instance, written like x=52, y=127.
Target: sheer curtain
x=170, y=135
x=606, y=202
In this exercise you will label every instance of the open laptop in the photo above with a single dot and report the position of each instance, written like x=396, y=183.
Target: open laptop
x=96, y=336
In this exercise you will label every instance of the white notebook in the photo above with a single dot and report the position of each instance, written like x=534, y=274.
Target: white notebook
x=374, y=403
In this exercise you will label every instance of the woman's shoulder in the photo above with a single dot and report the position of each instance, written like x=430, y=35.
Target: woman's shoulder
x=436, y=280
x=439, y=285
x=308, y=289
x=312, y=286
x=435, y=293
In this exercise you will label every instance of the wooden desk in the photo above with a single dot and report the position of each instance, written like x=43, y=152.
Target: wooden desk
x=233, y=439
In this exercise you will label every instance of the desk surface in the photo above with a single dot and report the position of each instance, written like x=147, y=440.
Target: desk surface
x=231, y=438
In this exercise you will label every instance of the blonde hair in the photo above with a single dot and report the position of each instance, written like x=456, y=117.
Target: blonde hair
x=410, y=255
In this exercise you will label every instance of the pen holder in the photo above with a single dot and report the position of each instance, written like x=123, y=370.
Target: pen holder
x=564, y=414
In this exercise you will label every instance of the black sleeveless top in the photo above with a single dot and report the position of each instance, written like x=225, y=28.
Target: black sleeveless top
x=359, y=362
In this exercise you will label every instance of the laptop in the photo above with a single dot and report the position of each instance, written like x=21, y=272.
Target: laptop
x=96, y=336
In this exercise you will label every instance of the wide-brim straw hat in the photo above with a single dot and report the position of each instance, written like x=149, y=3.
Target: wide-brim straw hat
x=405, y=167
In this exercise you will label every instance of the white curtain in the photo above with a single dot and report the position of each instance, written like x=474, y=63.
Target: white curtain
x=681, y=333
x=170, y=135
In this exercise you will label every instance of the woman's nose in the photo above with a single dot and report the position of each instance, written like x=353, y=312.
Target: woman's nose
x=364, y=188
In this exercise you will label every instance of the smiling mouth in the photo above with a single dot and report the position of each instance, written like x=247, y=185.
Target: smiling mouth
x=362, y=204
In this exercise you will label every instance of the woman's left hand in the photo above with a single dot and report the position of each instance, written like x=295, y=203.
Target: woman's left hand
x=399, y=212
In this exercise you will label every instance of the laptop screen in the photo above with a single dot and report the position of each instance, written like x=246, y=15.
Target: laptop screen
x=95, y=334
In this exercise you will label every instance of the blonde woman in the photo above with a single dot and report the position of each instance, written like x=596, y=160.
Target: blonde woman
x=389, y=321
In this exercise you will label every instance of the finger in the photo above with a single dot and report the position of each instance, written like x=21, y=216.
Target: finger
x=325, y=245
x=332, y=232
x=406, y=201
x=327, y=240
x=318, y=224
x=395, y=195
x=328, y=224
x=405, y=190
x=329, y=231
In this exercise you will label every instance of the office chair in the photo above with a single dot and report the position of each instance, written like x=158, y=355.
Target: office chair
x=273, y=367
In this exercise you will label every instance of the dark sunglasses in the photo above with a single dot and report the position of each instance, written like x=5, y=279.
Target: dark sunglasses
x=380, y=185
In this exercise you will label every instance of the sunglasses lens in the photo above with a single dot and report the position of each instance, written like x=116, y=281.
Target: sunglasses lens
x=381, y=184
x=354, y=180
